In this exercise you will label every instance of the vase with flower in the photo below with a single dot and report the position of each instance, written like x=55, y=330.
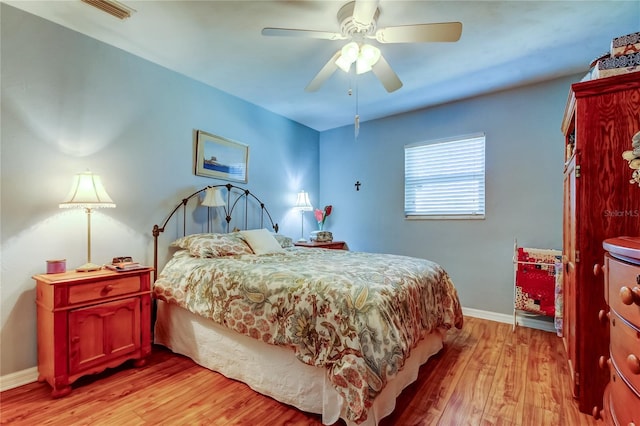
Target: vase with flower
x=321, y=216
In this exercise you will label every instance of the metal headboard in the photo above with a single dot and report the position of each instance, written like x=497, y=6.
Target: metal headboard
x=235, y=196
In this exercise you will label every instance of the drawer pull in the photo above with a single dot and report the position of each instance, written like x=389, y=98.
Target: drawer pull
x=629, y=296
x=633, y=363
x=603, y=316
x=603, y=362
x=597, y=269
x=107, y=288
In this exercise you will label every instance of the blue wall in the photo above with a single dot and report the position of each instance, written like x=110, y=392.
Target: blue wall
x=70, y=103
x=524, y=183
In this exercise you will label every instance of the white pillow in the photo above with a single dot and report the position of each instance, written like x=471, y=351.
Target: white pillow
x=261, y=241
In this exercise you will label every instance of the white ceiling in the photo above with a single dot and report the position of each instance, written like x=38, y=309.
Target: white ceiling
x=503, y=44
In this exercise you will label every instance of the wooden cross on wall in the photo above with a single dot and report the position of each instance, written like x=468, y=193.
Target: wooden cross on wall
x=357, y=185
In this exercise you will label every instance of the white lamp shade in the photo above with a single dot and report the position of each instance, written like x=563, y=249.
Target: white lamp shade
x=362, y=66
x=343, y=64
x=370, y=54
x=302, y=202
x=367, y=58
x=350, y=51
x=348, y=55
x=213, y=198
x=87, y=191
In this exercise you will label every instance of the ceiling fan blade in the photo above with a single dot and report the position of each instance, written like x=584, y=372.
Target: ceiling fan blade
x=323, y=74
x=363, y=12
x=291, y=32
x=439, y=32
x=386, y=75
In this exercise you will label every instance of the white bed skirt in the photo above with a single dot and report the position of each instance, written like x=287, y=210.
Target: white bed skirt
x=273, y=370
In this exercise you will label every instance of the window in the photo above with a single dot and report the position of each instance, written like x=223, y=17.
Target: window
x=444, y=179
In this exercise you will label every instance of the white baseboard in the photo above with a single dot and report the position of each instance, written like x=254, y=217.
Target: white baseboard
x=18, y=378
x=30, y=375
x=523, y=319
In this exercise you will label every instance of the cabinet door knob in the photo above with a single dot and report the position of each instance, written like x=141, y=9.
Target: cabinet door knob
x=633, y=363
x=75, y=339
x=568, y=267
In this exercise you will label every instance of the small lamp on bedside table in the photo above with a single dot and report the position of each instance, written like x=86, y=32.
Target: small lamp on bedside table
x=87, y=192
x=213, y=198
x=304, y=205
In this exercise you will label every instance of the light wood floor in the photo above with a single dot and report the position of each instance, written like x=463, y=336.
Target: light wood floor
x=485, y=375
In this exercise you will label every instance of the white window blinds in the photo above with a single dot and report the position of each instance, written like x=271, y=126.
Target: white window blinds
x=444, y=179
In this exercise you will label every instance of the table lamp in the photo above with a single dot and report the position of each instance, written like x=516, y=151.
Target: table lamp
x=304, y=205
x=87, y=192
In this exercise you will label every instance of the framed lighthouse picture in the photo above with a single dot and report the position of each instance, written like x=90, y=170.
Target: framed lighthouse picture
x=221, y=158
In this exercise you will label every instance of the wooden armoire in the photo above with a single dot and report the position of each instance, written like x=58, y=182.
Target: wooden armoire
x=599, y=202
x=600, y=119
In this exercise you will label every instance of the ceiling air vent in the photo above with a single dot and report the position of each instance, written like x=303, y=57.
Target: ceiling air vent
x=112, y=7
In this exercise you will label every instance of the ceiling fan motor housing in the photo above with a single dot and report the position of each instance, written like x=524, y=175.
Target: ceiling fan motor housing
x=350, y=28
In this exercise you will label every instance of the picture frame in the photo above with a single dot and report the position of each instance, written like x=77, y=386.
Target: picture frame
x=221, y=158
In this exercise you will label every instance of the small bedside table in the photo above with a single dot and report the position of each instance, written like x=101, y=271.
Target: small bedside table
x=90, y=321
x=333, y=245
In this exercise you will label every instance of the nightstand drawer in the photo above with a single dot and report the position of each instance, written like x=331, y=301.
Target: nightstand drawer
x=103, y=289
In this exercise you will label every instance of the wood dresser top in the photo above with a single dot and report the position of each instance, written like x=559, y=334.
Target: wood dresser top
x=628, y=247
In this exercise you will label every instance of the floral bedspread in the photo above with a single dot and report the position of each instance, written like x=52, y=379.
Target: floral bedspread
x=356, y=314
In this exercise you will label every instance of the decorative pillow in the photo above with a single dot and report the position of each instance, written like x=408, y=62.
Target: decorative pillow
x=213, y=245
x=285, y=242
x=261, y=241
x=186, y=241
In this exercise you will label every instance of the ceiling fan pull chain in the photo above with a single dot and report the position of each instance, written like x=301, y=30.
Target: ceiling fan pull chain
x=357, y=118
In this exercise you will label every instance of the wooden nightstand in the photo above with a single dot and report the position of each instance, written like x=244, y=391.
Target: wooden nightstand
x=90, y=321
x=333, y=245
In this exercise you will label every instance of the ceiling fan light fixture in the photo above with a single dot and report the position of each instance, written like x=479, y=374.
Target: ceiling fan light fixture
x=370, y=54
x=343, y=63
x=362, y=65
x=350, y=51
x=367, y=58
x=348, y=55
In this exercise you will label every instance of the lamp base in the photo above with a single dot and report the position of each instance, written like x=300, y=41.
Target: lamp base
x=301, y=240
x=88, y=267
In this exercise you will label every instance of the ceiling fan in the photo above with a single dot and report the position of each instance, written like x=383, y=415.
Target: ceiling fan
x=358, y=21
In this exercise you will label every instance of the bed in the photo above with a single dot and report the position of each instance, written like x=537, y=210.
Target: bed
x=332, y=332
